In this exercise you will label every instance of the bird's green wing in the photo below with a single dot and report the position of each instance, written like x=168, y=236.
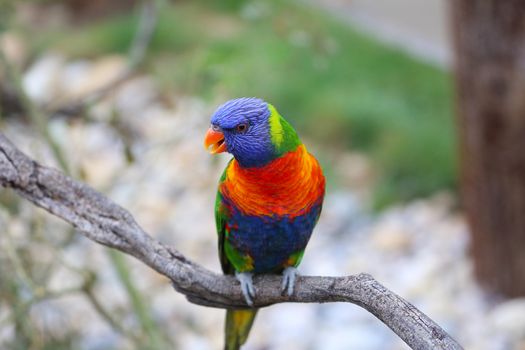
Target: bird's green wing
x=238, y=322
x=222, y=215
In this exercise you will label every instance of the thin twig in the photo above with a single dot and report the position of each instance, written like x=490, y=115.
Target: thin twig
x=87, y=290
x=155, y=338
x=18, y=266
x=39, y=297
x=34, y=114
x=137, y=53
x=144, y=34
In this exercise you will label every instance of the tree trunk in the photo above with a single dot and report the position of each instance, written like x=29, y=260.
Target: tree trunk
x=490, y=77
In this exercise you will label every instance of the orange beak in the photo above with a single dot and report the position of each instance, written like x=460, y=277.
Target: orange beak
x=214, y=141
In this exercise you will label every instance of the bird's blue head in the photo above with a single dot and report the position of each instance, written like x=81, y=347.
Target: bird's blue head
x=242, y=127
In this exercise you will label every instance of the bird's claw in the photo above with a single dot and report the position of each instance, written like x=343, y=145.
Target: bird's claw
x=245, y=278
x=288, y=284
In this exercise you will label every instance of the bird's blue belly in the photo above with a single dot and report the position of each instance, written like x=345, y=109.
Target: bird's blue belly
x=270, y=241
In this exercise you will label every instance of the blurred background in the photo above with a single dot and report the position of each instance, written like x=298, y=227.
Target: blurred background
x=119, y=95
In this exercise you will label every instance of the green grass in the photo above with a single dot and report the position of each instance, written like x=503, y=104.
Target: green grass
x=337, y=86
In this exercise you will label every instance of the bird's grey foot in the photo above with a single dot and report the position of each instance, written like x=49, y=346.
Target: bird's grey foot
x=289, y=275
x=245, y=278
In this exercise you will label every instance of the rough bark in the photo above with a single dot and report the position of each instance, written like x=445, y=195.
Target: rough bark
x=103, y=221
x=490, y=77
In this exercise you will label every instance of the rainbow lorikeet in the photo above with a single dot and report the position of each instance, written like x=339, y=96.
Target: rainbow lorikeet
x=269, y=200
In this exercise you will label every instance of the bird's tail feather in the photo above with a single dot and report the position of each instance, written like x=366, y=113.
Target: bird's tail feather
x=237, y=327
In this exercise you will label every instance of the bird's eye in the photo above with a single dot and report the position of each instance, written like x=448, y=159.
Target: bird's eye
x=242, y=127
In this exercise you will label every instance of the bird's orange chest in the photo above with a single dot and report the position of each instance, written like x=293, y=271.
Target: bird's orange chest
x=288, y=186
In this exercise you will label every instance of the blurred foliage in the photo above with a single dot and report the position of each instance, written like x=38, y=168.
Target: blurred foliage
x=6, y=11
x=337, y=86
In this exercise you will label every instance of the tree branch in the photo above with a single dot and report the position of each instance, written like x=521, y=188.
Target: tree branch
x=104, y=222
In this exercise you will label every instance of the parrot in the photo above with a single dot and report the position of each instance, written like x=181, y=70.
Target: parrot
x=268, y=202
